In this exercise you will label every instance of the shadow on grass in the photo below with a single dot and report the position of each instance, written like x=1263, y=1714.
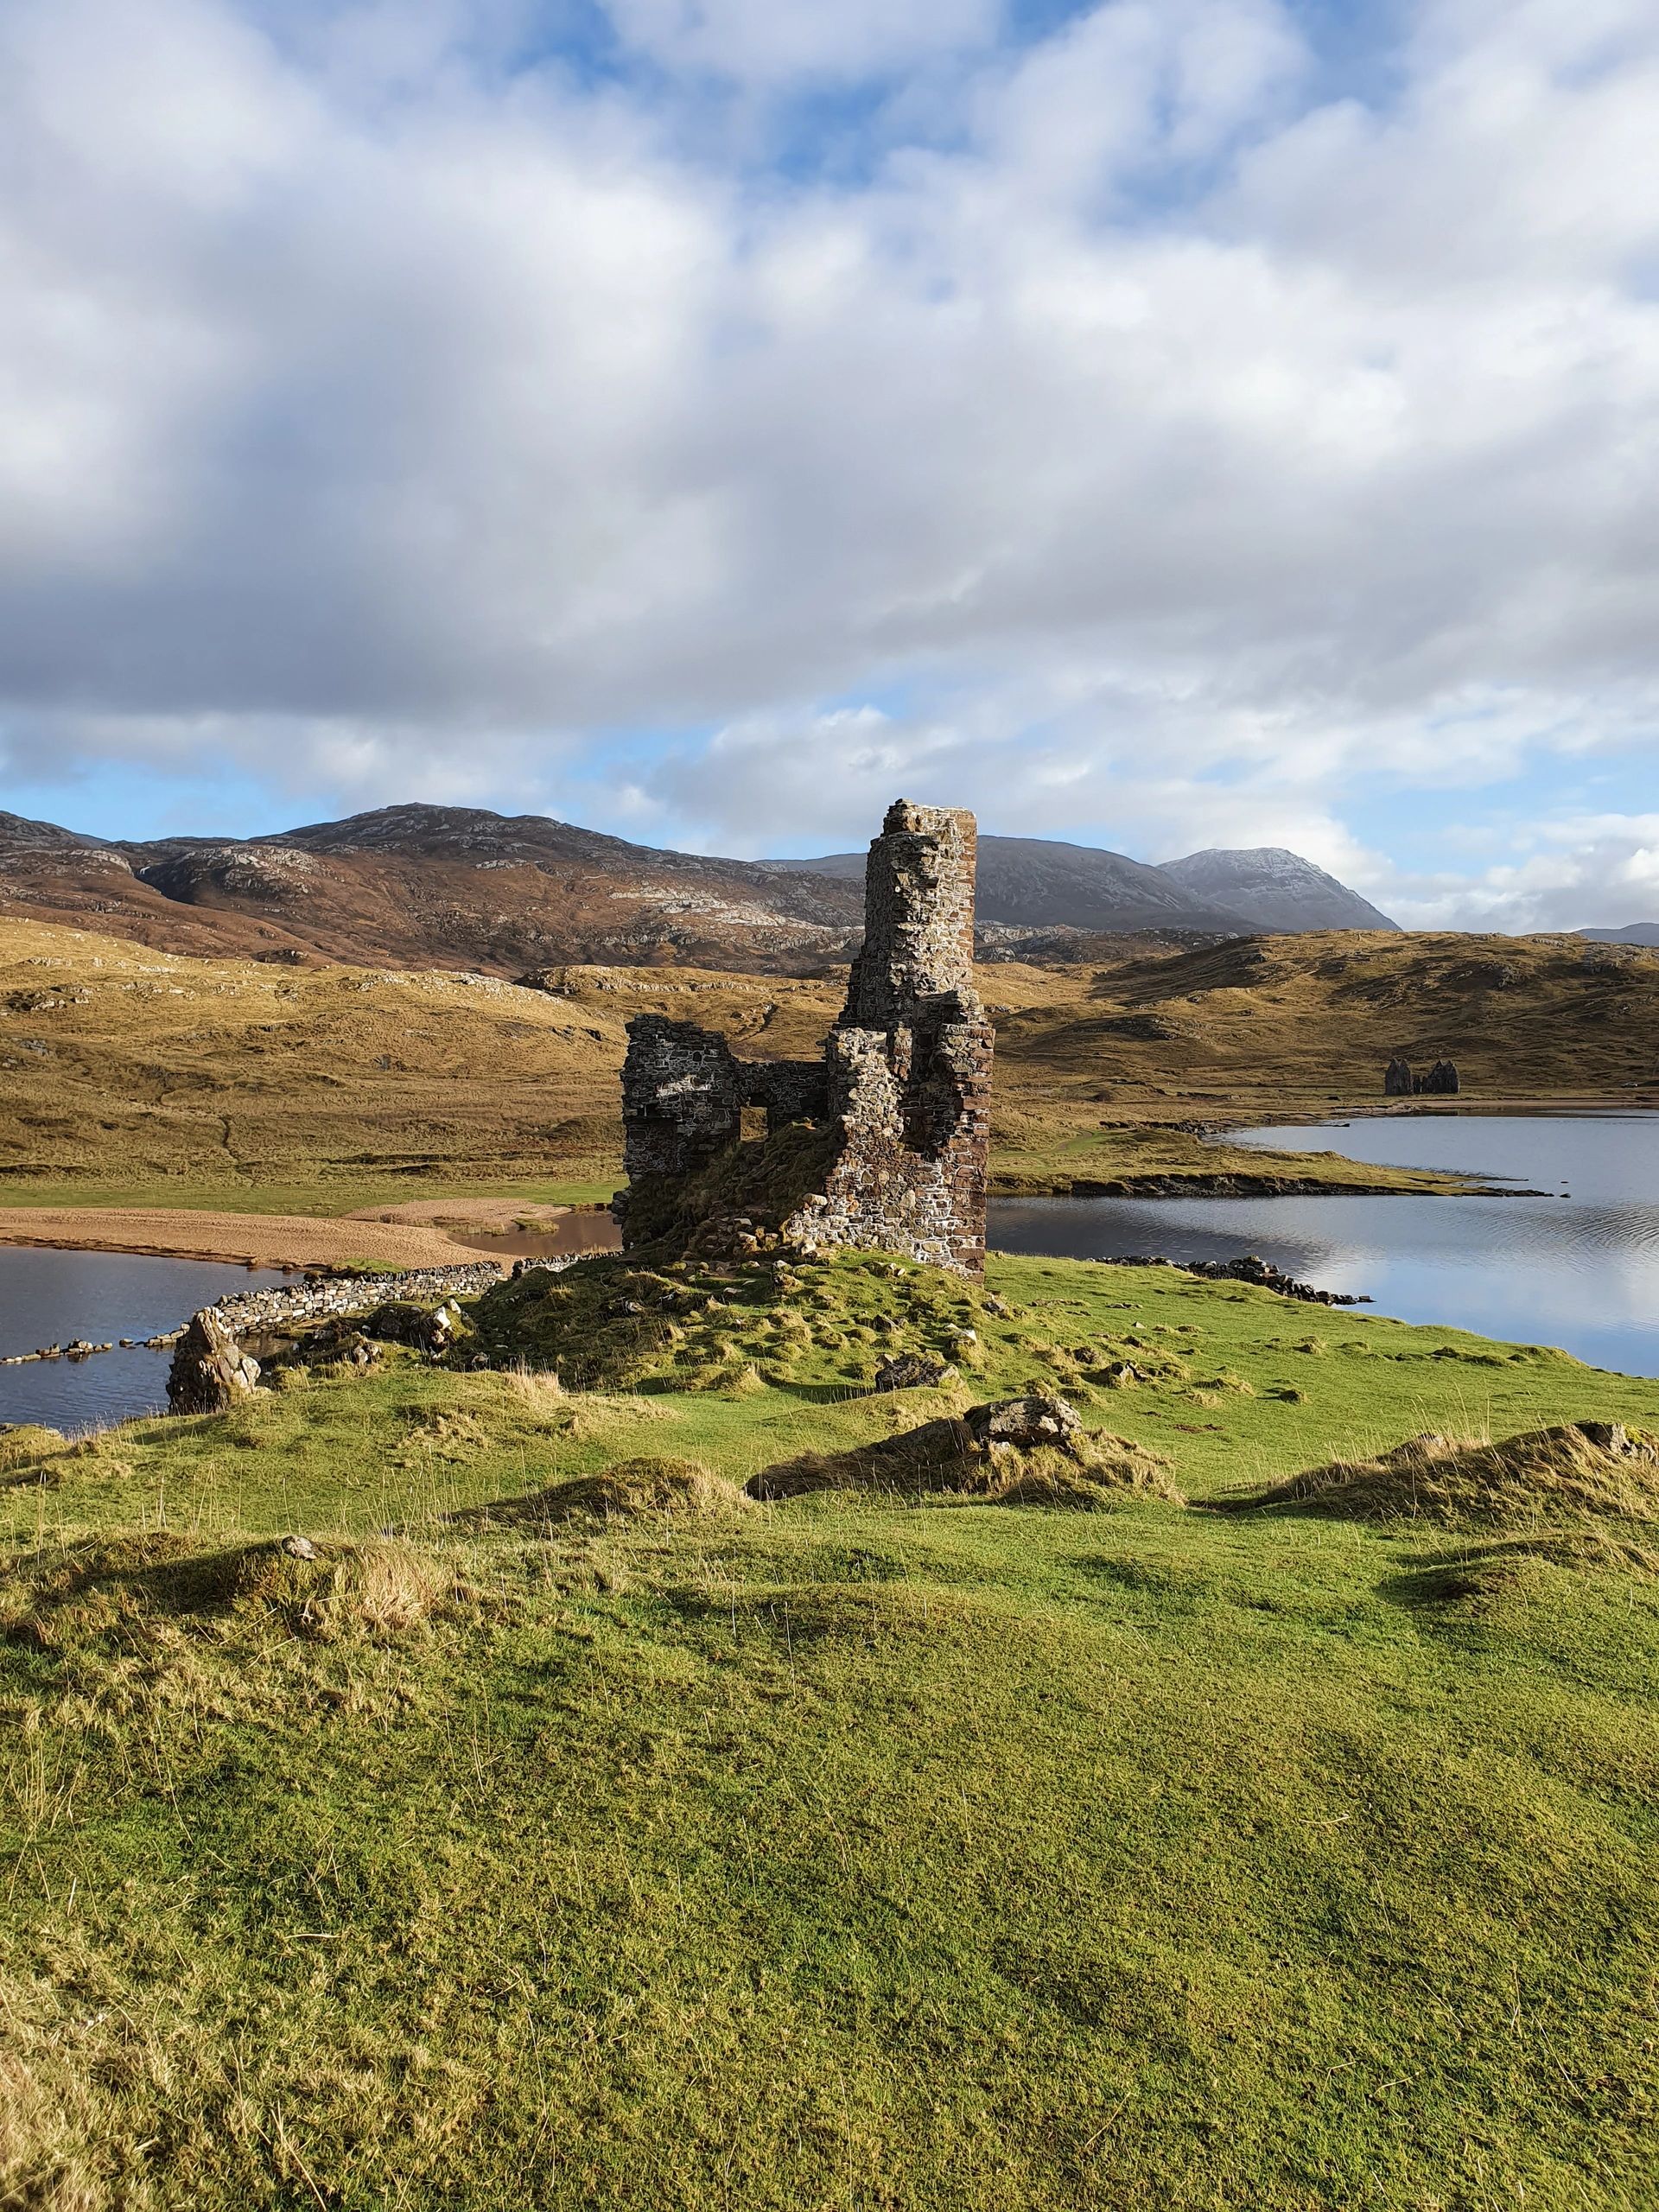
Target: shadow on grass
x=817, y=1394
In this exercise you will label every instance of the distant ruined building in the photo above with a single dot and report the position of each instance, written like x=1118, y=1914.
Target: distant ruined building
x=1442, y=1080
x=881, y=1142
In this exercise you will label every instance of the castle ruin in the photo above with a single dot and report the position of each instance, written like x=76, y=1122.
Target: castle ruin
x=901, y=1099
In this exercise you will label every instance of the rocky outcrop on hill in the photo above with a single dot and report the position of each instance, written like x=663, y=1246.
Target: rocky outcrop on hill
x=210, y=1369
x=1248, y=1267
x=429, y=886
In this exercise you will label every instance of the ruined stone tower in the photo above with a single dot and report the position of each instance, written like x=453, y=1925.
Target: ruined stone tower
x=902, y=1097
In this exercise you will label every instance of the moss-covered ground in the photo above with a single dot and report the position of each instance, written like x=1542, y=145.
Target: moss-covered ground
x=853, y=1850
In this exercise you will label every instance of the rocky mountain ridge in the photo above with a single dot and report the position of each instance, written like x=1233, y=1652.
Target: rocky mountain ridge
x=437, y=887
x=1274, y=890
x=1646, y=933
x=1033, y=882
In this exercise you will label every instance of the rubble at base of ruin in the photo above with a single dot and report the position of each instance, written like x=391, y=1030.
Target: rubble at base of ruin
x=901, y=1094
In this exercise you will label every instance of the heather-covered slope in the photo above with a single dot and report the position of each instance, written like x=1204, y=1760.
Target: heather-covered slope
x=414, y=886
x=427, y=887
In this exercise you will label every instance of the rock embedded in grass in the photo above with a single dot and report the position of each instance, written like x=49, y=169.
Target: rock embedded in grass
x=1031, y=1449
x=1024, y=1424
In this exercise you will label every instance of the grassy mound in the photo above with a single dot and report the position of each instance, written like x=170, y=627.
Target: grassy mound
x=732, y=1325
x=114, y=1590
x=633, y=1489
x=1582, y=1471
x=650, y=1485
x=941, y=1457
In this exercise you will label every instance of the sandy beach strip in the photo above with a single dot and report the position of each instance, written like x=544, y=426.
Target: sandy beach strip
x=264, y=1240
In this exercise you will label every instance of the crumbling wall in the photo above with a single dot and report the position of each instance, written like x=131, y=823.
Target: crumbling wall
x=912, y=1108
x=919, y=915
x=903, y=1088
x=684, y=1092
x=682, y=1100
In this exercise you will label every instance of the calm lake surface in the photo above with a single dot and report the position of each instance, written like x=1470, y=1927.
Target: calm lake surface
x=49, y=1297
x=1578, y=1268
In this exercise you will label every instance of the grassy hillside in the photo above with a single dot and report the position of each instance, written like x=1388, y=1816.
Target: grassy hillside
x=854, y=1851
x=124, y=1072
x=131, y=1070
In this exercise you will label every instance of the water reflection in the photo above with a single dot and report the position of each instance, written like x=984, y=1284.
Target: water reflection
x=1581, y=1271
x=52, y=1297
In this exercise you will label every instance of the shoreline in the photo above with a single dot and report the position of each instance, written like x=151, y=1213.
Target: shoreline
x=1226, y=1183
x=432, y=1232
x=286, y=1241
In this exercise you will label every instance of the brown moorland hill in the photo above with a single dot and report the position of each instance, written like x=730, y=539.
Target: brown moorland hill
x=418, y=886
x=122, y=1067
x=430, y=887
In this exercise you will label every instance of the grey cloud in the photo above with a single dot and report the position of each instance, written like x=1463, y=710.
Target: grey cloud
x=398, y=420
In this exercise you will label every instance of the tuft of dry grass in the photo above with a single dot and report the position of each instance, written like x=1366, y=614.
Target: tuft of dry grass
x=42, y=2165
x=536, y=1391
x=383, y=1589
x=28, y=1443
x=1582, y=1471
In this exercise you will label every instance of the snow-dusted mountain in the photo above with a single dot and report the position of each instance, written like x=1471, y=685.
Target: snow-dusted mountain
x=1272, y=889
x=1037, y=882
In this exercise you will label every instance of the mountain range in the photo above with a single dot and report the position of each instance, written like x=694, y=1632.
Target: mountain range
x=1031, y=882
x=438, y=886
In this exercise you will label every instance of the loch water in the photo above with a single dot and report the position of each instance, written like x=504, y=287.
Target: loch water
x=48, y=1296
x=1577, y=1267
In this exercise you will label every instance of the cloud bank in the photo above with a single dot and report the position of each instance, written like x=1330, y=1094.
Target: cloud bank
x=708, y=418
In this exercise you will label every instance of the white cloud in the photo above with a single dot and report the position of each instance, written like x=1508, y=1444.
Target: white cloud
x=1579, y=871
x=1190, y=453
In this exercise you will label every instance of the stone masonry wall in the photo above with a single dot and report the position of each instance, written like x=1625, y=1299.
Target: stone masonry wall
x=682, y=1101
x=684, y=1092
x=919, y=915
x=912, y=1106
x=904, y=1084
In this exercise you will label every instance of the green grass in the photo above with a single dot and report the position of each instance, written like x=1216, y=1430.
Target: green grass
x=842, y=1852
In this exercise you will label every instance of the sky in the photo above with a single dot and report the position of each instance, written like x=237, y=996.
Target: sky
x=1158, y=424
